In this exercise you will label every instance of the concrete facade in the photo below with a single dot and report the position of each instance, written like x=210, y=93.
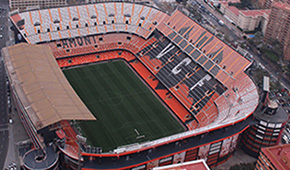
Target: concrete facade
x=278, y=26
x=247, y=20
x=28, y=4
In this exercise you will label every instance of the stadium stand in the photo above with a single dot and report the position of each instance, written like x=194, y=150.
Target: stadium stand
x=89, y=19
x=199, y=77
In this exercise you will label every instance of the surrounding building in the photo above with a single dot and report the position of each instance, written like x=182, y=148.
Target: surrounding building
x=197, y=164
x=250, y=20
x=271, y=120
x=230, y=12
x=247, y=20
x=266, y=4
x=275, y=157
x=35, y=4
x=279, y=26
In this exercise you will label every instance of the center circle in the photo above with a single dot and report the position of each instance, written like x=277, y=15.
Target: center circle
x=111, y=98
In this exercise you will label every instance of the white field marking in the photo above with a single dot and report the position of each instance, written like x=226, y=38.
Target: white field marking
x=138, y=134
x=139, y=137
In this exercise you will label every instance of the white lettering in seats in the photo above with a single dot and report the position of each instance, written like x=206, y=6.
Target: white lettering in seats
x=165, y=50
x=185, y=61
x=201, y=81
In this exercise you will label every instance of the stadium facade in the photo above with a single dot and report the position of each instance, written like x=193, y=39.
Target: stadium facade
x=271, y=119
x=197, y=76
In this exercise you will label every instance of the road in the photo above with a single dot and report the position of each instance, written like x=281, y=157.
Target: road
x=4, y=133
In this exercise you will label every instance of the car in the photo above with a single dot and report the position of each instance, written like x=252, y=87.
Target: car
x=221, y=22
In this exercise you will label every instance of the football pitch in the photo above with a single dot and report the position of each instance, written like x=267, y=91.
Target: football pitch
x=126, y=110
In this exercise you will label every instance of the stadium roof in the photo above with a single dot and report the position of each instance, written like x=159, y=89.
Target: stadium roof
x=40, y=85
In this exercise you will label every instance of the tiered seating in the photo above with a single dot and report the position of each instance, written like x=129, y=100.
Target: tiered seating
x=188, y=81
x=80, y=46
x=72, y=148
x=119, y=15
x=211, y=53
x=89, y=19
x=235, y=104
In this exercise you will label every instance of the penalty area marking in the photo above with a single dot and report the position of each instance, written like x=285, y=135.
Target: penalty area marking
x=138, y=134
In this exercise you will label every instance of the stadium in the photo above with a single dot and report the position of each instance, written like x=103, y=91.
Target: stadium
x=120, y=85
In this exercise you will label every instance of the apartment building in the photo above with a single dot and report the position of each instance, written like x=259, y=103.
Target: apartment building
x=275, y=157
x=247, y=20
x=38, y=4
x=279, y=26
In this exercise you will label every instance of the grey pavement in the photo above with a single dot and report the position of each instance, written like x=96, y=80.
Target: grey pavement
x=239, y=157
x=17, y=135
x=4, y=130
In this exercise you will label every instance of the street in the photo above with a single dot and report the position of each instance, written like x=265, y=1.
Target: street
x=4, y=133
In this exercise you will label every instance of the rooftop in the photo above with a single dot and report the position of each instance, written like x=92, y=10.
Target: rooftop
x=280, y=5
x=279, y=156
x=197, y=164
x=40, y=85
x=234, y=10
x=255, y=13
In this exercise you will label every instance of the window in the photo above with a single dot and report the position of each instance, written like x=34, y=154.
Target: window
x=56, y=21
x=36, y=24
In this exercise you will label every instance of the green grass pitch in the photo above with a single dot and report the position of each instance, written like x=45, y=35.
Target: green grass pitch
x=126, y=110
